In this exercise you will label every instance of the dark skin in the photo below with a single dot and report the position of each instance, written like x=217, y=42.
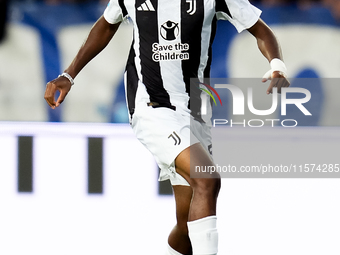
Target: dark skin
x=98, y=38
x=200, y=198
x=270, y=48
x=266, y=42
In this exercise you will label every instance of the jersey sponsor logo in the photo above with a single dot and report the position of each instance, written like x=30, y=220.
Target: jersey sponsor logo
x=176, y=138
x=146, y=6
x=192, y=7
x=169, y=31
x=170, y=52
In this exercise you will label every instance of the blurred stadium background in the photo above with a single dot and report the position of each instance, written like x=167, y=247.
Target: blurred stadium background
x=76, y=181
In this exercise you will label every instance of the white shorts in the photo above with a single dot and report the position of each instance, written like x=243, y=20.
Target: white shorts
x=166, y=133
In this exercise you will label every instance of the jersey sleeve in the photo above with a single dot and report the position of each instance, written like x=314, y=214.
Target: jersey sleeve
x=115, y=12
x=240, y=13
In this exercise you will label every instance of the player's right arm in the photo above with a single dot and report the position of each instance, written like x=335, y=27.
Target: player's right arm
x=98, y=38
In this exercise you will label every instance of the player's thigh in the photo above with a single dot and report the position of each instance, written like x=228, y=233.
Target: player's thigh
x=188, y=160
x=165, y=133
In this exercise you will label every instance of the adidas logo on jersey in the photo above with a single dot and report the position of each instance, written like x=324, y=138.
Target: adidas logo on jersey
x=146, y=6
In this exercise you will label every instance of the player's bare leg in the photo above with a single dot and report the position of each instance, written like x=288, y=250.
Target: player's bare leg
x=205, y=190
x=178, y=238
x=202, y=211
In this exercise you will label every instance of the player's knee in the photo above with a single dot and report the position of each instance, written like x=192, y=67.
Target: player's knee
x=207, y=186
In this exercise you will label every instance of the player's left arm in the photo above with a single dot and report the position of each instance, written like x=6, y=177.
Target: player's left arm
x=270, y=48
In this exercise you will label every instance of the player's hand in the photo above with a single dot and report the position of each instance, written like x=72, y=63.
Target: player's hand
x=278, y=80
x=61, y=84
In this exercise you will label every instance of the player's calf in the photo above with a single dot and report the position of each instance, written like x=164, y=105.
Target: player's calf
x=202, y=225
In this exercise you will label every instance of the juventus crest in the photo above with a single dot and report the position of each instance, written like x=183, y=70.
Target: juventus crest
x=192, y=6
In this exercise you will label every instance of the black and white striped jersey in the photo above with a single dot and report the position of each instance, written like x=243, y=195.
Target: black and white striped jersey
x=172, y=44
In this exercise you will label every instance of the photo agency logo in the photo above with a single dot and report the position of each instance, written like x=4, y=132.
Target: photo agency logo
x=204, y=108
x=243, y=105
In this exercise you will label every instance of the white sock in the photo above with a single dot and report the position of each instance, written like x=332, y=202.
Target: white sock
x=203, y=236
x=171, y=251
